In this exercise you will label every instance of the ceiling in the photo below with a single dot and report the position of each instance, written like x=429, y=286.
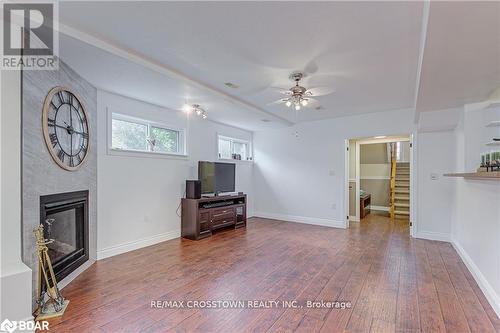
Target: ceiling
x=169, y=53
x=461, y=61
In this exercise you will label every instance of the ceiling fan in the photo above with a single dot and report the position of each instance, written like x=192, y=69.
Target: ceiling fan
x=298, y=96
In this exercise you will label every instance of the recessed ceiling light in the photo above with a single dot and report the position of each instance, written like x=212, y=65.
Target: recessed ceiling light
x=265, y=120
x=231, y=85
x=381, y=137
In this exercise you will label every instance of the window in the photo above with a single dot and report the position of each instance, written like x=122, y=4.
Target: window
x=133, y=134
x=234, y=149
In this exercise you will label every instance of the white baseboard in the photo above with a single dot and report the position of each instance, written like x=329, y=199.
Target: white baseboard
x=431, y=235
x=302, y=219
x=137, y=244
x=353, y=219
x=380, y=208
x=488, y=291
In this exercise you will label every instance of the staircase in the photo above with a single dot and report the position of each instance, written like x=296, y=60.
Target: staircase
x=400, y=190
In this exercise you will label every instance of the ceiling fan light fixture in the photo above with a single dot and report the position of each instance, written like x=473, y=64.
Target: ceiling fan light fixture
x=288, y=103
x=187, y=108
x=297, y=107
x=304, y=102
x=198, y=112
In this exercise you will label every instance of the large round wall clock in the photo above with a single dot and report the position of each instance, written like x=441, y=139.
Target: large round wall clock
x=65, y=128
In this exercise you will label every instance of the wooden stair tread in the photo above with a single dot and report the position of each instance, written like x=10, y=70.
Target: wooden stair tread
x=401, y=212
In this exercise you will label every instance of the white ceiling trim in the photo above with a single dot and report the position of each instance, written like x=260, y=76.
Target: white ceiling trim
x=144, y=61
x=423, y=38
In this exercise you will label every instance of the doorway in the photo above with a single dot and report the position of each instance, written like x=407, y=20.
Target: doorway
x=379, y=176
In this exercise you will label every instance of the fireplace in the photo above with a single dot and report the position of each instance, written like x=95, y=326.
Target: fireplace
x=65, y=220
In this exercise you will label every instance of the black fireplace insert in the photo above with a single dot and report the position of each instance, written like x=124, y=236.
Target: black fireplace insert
x=64, y=217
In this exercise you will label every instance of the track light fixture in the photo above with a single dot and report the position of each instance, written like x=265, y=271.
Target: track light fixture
x=188, y=108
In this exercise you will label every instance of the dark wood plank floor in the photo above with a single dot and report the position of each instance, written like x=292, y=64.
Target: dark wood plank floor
x=394, y=283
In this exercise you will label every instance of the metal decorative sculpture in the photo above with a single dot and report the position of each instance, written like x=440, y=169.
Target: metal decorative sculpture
x=50, y=301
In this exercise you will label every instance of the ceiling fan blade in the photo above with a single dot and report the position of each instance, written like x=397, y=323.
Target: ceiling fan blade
x=311, y=67
x=279, y=101
x=312, y=103
x=320, y=91
x=283, y=91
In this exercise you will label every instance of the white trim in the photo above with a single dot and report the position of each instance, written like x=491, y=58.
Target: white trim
x=431, y=235
x=358, y=182
x=137, y=244
x=423, y=39
x=235, y=161
x=413, y=184
x=346, y=182
x=387, y=139
x=353, y=219
x=302, y=219
x=487, y=289
x=380, y=208
x=148, y=154
x=375, y=177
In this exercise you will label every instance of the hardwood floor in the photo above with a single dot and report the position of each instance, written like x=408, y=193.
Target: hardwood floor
x=394, y=283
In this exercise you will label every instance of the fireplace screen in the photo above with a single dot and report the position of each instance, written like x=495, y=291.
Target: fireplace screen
x=65, y=220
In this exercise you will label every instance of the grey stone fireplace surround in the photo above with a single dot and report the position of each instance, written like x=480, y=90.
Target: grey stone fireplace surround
x=40, y=174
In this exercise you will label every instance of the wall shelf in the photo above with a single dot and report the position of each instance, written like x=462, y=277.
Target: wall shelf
x=493, y=104
x=495, y=175
x=494, y=123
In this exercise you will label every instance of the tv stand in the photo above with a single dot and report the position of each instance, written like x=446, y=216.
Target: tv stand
x=200, y=217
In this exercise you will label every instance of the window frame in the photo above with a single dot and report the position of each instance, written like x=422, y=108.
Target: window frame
x=181, y=133
x=248, y=143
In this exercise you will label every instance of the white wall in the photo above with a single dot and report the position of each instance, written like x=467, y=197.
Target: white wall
x=15, y=276
x=436, y=156
x=476, y=219
x=299, y=171
x=138, y=195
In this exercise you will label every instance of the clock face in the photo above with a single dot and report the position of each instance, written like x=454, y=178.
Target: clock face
x=65, y=128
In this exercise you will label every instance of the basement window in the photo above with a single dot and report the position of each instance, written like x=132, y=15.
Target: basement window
x=138, y=135
x=234, y=149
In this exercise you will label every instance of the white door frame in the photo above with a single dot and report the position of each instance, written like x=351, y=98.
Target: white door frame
x=413, y=157
x=346, y=182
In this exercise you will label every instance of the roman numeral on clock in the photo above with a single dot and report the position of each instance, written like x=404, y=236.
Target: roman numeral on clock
x=51, y=122
x=60, y=155
x=61, y=97
x=53, y=139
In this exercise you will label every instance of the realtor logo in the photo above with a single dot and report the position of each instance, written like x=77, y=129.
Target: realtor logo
x=23, y=325
x=30, y=39
x=8, y=326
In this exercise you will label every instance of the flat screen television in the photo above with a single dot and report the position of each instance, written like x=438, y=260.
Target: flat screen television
x=216, y=177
